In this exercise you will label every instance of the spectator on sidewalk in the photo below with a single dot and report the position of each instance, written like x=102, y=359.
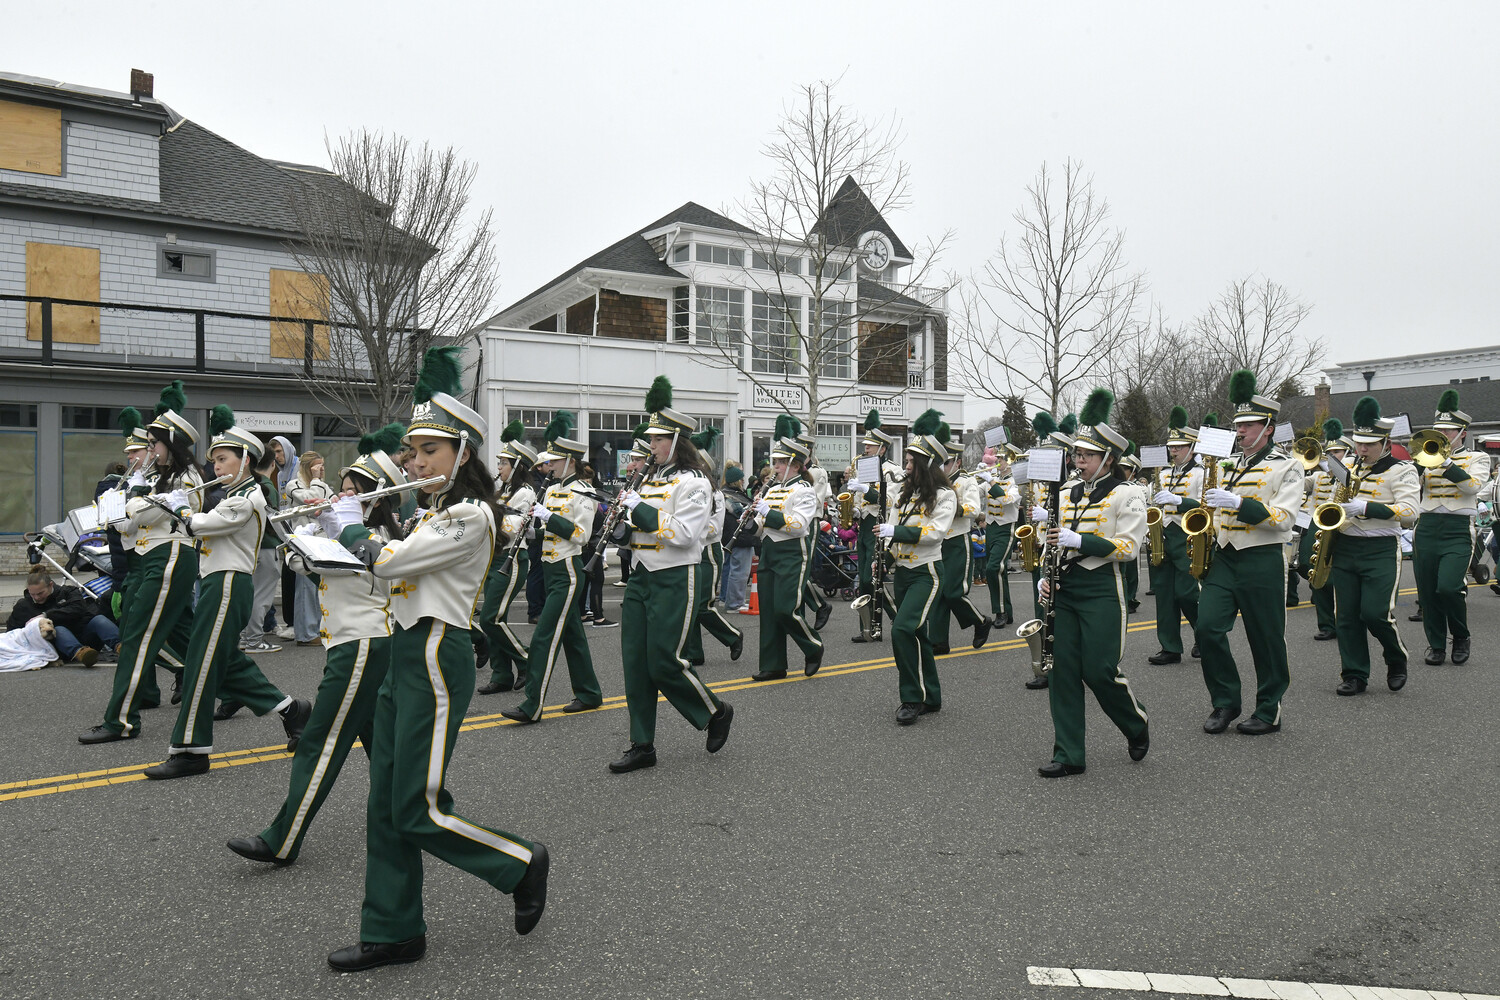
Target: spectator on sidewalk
x=307, y=486
x=267, y=567
x=81, y=630
x=736, y=559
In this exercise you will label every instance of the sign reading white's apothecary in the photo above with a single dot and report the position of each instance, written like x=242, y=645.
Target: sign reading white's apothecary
x=893, y=407
x=779, y=397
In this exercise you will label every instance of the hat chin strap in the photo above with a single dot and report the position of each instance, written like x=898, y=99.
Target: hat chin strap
x=458, y=460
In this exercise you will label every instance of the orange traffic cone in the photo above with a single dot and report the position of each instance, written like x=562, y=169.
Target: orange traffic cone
x=753, y=606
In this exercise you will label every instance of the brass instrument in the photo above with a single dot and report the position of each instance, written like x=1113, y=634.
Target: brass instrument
x=1155, y=532
x=1199, y=526
x=1329, y=518
x=313, y=509
x=1430, y=448
x=1308, y=451
x=846, y=510
x=1025, y=535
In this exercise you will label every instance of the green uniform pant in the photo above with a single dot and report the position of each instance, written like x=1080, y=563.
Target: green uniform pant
x=780, y=579
x=1366, y=572
x=344, y=709
x=1440, y=561
x=1088, y=642
x=659, y=609
x=864, y=552
x=997, y=539
x=507, y=653
x=216, y=666
x=957, y=572
x=1321, y=597
x=1250, y=582
x=157, y=606
x=559, y=628
x=1176, y=590
x=1131, y=571
x=812, y=598
x=170, y=656
x=918, y=591
x=417, y=715
x=708, y=616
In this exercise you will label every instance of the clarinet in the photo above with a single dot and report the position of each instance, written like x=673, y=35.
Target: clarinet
x=748, y=515
x=1053, y=570
x=877, y=577
x=612, y=519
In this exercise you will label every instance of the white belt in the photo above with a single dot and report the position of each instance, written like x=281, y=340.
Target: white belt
x=1463, y=511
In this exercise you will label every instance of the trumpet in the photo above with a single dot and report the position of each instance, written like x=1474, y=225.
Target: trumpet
x=1430, y=448
x=318, y=507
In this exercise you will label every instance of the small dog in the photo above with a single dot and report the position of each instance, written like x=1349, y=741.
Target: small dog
x=49, y=632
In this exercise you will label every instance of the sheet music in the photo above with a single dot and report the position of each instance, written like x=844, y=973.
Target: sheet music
x=868, y=470
x=1303, y=519
x=1402, y=428
x=1337, y=469
x=1154, y=456
x=994, y=437
x=1045, y=465
x=1216, y=442
x=1284, y=433
x=325, y=553
x=111, y=505
x=1020, y=473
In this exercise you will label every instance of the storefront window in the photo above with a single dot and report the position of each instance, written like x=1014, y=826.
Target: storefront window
x=87, y=457
x=18, y=500
x=337, y=453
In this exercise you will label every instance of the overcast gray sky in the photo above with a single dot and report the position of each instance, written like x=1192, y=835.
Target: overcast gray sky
x=1346, y=150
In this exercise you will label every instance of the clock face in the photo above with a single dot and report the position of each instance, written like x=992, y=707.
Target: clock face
x=874, y=251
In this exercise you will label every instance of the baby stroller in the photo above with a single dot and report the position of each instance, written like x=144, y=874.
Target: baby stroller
x=834, y=569
x=82, y=537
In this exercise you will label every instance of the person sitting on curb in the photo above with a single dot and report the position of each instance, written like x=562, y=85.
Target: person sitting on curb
x=81, y=630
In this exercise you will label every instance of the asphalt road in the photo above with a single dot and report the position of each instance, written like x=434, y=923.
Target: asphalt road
x=825, y=852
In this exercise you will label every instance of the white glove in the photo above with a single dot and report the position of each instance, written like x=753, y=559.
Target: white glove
x=1223, y=499
x=885, y=530
x=327, y=524
x=1067, y=538
x=855, y=486
x=984, y=476
x=1043, y=588
x=630, y=498
x=136, y=479
x=347, y=511
x=308, y=530
x=540, y=512
x=177, y=499
x=762, y=507
x=1039, y=515
x=1166, y=498
x=1356, y=508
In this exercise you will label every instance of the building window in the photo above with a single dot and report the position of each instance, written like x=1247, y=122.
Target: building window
x=173, y=261
x=680, y=254
x=721, y=316
x=92, y=418
x=727, y=256
x=774, y=320
x=18, y=456
x=18, y=415
x=834, y=271
x=532, y=420
x=681, y=331
x=836, y=343
x=616, y=421
x=776, y=262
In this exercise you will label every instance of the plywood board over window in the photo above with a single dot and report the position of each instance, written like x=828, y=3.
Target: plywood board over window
x=30, y=138
x=63, y=272
x=304, y=295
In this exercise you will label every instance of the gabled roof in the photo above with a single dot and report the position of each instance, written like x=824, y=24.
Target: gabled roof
x=1479, y=398
x=875, y=293
x=851, y=213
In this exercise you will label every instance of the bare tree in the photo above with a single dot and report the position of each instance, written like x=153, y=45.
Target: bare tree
x=1253, y=324
x=399, y=265
x=834, y=176
x=1055, y=304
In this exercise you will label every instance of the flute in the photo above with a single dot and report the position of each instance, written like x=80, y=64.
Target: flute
x=317, y=507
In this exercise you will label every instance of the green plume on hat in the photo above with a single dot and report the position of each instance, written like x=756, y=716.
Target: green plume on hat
x=641, y=429
x=783, y=427
x=1069, y=425
x=927, y=423
x=513, y=431
x=872, y=420
x=1043, y=424
x=704, y=439
x=173, y=397
x=1366, y=412
x=386, y=439
x=1448, y=401
x=659, y=396
x=129, y=419
x=1210, y=420
x=1241, y=386
x=441, y=372
x=1131, y=448
x=1177, y=420
x=1096, y=408
x=220, y=419
x=944, y=433
x=1333, y=429
x=562, y=422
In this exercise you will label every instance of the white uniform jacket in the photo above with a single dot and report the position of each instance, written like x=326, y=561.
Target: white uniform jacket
x=1186, y=482
x=438, y=570
x=670, y=526
x=355, y=605
x=794, y=507
x=970, y=503
x=1111, y=517
x=229, y=536
x=1456, y=488
x=523, y=499
x=1391, y=491
x=151, y=526
x=571, y=523
x=919, y=536
x=1002, y=502
x=1271, y=484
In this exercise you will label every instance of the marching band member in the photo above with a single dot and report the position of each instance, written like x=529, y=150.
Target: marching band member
x=1450, y=494
x=877, y=443
x=1320, y=487
x=1002, y=503
x=436, y=575
x=1176, y=589
x=1254, y=509
x=159, y=599
x=1367, y=552
x=1044, y=426
x=1102, y=523
x=785, y=517
x=669, y=518
x=508, y=654
x=229, y=540
x=958, y=556
x=710, y=569
x=1130, y=469
x=818, y=476
x=566, y=518
x=356, y=632
x=916, y=529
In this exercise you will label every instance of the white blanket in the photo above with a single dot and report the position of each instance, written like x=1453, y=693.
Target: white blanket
x=25, y=649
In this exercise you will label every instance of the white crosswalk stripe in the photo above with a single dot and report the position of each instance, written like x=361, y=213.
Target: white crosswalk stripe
x=1211, y=986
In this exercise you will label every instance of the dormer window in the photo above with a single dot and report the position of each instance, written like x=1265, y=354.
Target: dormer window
x=173, y=261
x=680, y=254
x=726, y=256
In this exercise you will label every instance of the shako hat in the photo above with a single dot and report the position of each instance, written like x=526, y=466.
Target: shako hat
x=1369, y=425
x=1449, y=416
x=513, y=445
x=1178, y=432
x=787, y=447
x=436, y=410
x=559, y=445
x=132, y=425
x=227, y=435
x=169, y=418
x=664, y=419
x=1248, y=406
x=1093, y=433
x=873, y=434
x=930, y=437
x=375, y=462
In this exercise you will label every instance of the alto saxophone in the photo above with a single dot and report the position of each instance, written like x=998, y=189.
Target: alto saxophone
x=1329, y=518
x=1025, y=536
x=1155, y=533
x=1198, y=524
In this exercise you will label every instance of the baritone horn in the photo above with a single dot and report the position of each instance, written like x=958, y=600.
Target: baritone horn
x=1309, y=451
x=846, y=511
x=1430, y=448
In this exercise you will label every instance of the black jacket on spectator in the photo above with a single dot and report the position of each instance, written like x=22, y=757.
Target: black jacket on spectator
x=70, y=607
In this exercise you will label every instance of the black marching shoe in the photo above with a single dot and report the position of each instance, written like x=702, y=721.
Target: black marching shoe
x=1351, y=685
x=696, y=661
x=769, y=675
x=367, y=955
x=1162, y=656
x=862, y=637
x=1460, y=651
x=256, y=849
x=811, y=665
x=520, y=684
x=227, y=709
x=736, y=648
x=177, y=688
x=637, y=756
x=821, y=616
x=940, y=650
x=1435, y=657
x=909, y=712
x=1133, y=607
x=1416, y=617
x=1219, y=719
x=1059, y=770
x=1140, y=745
x=1195, y=654
x=294, y=719
x=179, y=765
x=494, y=687
x=577, y=706
x=530, y=894
x=1258, y=727
x=516, y=715
x=104, y=734
x=718, y=727
x=1324, y=634
x=982, y=631
x=1395, y=676
x=1038, y=683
